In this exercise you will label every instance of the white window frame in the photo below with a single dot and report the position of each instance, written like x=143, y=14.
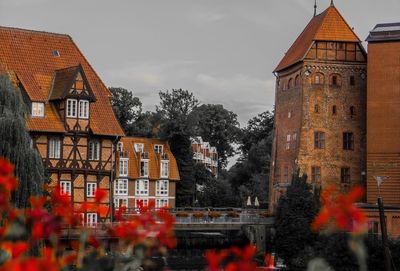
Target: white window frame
x=123, y=166
x=162, y=188
x=145, y=167
x=94, y=150
x=84, y=109
x=54, y=148
x=142, y=187
x=158, y=148
x=65, y=188
x=37, y=109
x=121, y=187
x=117, y=201
x=120, y=146
x=145, y=202
x=164, y=172
x=91, y=189
x=139, y=147
x=91, y=220
x=162, y=202
x=72, y=108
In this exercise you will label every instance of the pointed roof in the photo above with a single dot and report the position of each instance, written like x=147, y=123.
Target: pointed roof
x=326, y=26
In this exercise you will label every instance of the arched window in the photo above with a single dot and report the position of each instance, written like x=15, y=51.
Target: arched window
x=290, y=83
x=352, y=111
x=318, y=79
x=316, y=108
x=334, y=110
x=297, y=80
x=335, y=80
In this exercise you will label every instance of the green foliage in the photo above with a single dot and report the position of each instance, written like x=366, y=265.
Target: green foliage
x=127, y=108
x=147, y=124
x=220, y=127
x=295, y=213
x=15, y=144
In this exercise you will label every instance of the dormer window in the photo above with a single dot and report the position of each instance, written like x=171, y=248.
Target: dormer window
x=139, y=147
x=158, y=148
x=83, y=109
x=37, y=109
x=72, y=108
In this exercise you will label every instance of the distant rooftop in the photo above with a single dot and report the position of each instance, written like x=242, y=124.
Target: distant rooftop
x=384, y=32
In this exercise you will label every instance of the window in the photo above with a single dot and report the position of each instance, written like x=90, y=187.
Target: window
x=162, y=188
x=160, y=203
x=94, y=150
x=290, y=83
x=334, y=80
x=316, y=108
x=286, y=174
x=158, y=148
x=334, y=110
x=164, y=169
x=297, y=80
x=83, y=109
x=345, y=175
x=65, y=188
x=348, y=141
x=319, y=140
x=121, y=187
x=277, y=175
x=120, y=146
x=91, y=219
x=144, y=168
x=123, y=167
x=91, y=189
x=289, y=114
x=316, y=174
x=72, y=108
x=318, y=79
x=37, y=109
x=141, y=202
x=294, y=139
x=54, y=148
x=120, y=202
x=352, y=81
x=352, y=111
x=139, y=147
x=287, y=146
x=142, y=187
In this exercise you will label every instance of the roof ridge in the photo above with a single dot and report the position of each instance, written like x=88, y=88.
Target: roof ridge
x=34, y=31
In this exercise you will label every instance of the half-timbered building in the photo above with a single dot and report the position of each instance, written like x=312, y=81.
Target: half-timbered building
x=71, y=121
x=147, y=173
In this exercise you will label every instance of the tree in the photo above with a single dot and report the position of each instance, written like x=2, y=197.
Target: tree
x=127, y=108
x=15, y=144
x=220, y=127
x=147, y=124
x=295, y=212
x=177, y=125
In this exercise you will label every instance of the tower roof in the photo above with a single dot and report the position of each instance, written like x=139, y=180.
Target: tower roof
x=326, y=26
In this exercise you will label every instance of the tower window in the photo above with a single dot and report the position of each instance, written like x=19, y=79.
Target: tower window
x=290, y=83
x=316, y=174
x=319, y=140
x=352, y=111
x=297, y=80
x=316, y=108
x=345, y=175
x=348, y=141
x=352, y=81
x=335, y=80
x=334, y=110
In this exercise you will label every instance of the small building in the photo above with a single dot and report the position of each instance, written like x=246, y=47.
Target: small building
x=71, y=120
x=147, y=172
x=205, y=154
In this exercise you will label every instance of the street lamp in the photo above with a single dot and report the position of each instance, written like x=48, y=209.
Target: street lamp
x=386, y=252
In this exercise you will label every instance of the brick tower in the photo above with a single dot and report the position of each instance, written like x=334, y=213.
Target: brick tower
x=320, y=107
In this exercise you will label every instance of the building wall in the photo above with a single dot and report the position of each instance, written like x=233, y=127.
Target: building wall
x=383, y=107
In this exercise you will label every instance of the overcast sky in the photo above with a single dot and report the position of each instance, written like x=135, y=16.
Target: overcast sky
x=222, y=50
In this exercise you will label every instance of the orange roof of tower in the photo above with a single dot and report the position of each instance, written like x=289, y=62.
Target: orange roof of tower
x=32, y=58
x=327, y=26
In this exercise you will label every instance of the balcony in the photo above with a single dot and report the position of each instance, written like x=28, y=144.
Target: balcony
x=123, y=154
x=144, y=155
x=164, y=156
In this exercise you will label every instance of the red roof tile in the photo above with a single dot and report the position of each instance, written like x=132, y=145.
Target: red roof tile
x=327, y=26
x=30, y=56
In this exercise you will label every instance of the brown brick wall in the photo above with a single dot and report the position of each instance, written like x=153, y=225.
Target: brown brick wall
x=383, y=107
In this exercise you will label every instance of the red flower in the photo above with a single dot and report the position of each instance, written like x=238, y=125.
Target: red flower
x=340, y=210
x=15, y=249
x=100, y=195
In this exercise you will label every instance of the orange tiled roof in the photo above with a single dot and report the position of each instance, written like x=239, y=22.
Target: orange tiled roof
x=327, y=26
x=28, y=55
x=154, y=158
